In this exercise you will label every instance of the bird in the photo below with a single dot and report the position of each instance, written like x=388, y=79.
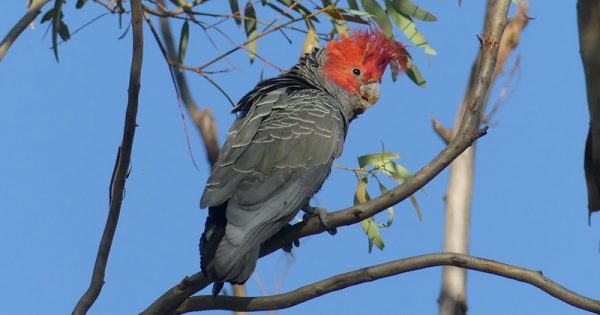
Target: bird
x=280, y=149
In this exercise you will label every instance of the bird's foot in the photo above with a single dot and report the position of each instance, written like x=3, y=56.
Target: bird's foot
x=319, y=212
x=288, y=247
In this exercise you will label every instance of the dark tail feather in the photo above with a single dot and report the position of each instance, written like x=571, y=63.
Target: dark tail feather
x=214, y=230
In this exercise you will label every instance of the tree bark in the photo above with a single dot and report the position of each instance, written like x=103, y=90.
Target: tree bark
x=33, y=10
x=453, y=299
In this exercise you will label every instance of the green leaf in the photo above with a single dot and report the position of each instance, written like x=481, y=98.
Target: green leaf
x=408, y=27
x=368, y=225
x=183, y=41
x=56, y=26
x=361, y=195
x=353, y=5
x=376, y=158
x=356, y=12
x=414, y=74
x=379, y=15
x=311, y=40
x=408, y=8
x=235, y=11
x=80, y=4
x=390, y=210
x=396, y=170
x=344, y=15
x=399, y=173
x=373, y=235
x=413, y=200
x=48, y=15
x=337, y=19
x=63, y=31
x=250, y=26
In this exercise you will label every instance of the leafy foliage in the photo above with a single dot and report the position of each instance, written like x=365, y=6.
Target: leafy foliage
x=372, y=165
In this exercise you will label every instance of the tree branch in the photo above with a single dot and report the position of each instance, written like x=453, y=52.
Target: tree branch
x=32, y=12
x=468, y=132
x=452, y=298
x=393, y=268
x=444, y=132
x=121, y=170
x=203, y=119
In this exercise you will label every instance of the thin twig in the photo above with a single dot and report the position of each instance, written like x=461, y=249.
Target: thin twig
x=444, y=132
x=32, y=12
x=122, y=164
x=266, y=32
x=392, y=268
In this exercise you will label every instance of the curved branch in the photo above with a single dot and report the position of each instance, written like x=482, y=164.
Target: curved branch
x=34, y=9
x=467, y=134
x=121, y=170
x=396, y=267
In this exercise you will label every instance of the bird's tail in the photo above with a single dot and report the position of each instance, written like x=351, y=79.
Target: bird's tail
x=214, y=230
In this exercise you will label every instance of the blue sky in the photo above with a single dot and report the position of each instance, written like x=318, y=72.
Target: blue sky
x=61, y=124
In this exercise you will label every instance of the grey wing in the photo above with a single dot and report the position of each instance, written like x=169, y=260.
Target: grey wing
x=297, y=131
x=268, y=176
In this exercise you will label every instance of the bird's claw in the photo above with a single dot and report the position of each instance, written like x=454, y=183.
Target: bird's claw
x=288, y=247
x=322, y=214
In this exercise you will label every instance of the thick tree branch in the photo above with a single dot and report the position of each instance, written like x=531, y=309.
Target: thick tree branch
x=34, y=9
x=393, y=268
x=467, y=133
x=121, y=170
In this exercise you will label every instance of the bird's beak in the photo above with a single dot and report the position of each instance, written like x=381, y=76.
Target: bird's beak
x=369, y=94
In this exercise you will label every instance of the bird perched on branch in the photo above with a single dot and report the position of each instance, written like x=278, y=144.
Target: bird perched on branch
x=280, y=149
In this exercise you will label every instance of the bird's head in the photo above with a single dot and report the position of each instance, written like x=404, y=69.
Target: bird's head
x=356, y=63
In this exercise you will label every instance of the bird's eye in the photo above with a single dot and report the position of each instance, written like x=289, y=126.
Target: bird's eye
x=356, y=71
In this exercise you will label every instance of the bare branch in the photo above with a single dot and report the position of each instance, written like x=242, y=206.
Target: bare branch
x=239, y=290
x=440, y=130
x=452, y=298
x=512, y=34
x=32, y=12
x=120, y=172
x=393, y=268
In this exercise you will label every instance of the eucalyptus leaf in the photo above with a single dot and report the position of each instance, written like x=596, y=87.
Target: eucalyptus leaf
x=390, y=210
x=376, y=158
x=373, y=235
x=57, y=21
x=353, y=5
x=80, y=4
x=408, y=27
x=235, y=11
x=311, y=40
x=408, y=8
x=183, y=41
x=414, y=74
x=379, y=15
x=250, y=27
